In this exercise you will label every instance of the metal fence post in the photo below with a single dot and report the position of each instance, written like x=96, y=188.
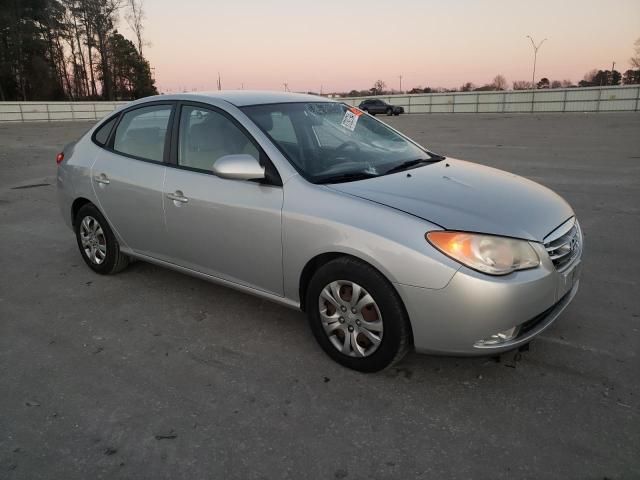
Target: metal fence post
x=564, y=101
x=599, y=99
x=533, y=98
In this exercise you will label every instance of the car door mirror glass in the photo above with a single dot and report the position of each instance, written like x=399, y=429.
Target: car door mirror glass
x=238, y=167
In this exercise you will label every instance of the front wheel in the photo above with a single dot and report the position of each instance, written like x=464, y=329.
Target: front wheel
x=97, y=243
x=389, y=112
x=356, y=315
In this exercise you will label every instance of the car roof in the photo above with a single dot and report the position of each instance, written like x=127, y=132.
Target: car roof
x=241, y=98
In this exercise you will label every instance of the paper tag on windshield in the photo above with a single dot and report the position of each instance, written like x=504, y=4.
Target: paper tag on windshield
x=350, y=118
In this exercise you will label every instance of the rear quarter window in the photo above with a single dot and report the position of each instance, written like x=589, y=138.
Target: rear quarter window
x=102, y=134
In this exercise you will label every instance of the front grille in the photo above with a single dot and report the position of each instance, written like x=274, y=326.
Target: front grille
x=564, y=244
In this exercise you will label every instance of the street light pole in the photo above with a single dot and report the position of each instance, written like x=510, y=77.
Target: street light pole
x=535, y=59
x=613, y=67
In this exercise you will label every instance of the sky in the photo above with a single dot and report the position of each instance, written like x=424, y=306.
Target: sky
x=340, y=45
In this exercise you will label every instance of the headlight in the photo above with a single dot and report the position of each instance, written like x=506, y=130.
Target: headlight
x=485, y=253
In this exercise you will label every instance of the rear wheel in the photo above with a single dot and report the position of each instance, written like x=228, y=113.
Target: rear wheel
x=356, y=315
x=97, y=243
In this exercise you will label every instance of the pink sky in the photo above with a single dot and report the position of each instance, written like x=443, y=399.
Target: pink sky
x=341, y=45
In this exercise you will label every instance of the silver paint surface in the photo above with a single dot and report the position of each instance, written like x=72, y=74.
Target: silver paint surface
x=259, y=238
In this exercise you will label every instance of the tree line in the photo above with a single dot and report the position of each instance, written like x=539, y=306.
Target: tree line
x=72, y=50
x=593, y=78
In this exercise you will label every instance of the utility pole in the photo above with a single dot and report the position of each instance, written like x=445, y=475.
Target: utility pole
x=535, y=58
x=400, y=77
x=613, y=66
x=219, y=82
x=286, y=86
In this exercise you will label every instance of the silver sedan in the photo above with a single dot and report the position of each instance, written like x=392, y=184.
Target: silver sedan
x=317, y=205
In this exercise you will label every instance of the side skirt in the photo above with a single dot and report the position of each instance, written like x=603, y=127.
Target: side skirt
x=210, y=278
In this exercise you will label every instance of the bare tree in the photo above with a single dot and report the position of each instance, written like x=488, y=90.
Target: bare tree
x=522, y=85
x=103, y=16
x=378, y=87
x=635, y=60
x=499, y=82
x=134, y=19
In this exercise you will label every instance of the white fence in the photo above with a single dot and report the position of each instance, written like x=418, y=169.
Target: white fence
x=591, y=99
x=55, y=111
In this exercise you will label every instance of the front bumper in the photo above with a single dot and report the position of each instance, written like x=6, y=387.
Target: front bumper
x=473, y=306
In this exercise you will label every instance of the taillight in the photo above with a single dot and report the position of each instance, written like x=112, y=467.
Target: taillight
x=59, y=158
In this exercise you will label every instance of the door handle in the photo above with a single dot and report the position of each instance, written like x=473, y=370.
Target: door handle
x=177, y=197
x=102, y=178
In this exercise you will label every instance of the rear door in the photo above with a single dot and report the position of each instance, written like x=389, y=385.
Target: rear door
x=128, y=175
x=230, y=229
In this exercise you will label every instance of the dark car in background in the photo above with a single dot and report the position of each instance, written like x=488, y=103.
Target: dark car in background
x=379, y=106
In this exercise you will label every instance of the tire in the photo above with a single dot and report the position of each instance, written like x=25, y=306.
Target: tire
x=389, y=112
x=104, y=255
x=386, y=311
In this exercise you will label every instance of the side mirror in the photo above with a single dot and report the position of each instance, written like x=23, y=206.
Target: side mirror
x=238, y=167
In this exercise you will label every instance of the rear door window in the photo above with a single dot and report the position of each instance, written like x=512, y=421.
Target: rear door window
x=142, y=132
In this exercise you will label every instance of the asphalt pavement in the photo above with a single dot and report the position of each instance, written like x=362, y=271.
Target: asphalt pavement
x=154, y=374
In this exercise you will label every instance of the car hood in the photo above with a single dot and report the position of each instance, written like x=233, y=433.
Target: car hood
x=459, y=195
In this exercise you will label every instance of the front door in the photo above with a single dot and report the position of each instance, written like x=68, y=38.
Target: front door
x=128, y=174
x=229, y=229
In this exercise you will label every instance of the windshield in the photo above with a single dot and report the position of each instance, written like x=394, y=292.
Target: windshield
x=331, y=142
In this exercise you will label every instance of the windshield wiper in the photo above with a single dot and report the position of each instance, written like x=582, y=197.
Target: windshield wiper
x=413, y=164
x=346, y=177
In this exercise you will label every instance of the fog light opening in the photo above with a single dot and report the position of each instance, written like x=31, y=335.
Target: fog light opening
x=498, y=338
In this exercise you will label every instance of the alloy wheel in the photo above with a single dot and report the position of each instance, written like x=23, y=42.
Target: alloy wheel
x=94, y=242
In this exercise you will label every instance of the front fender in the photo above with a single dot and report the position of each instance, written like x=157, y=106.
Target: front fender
x=318, y=220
